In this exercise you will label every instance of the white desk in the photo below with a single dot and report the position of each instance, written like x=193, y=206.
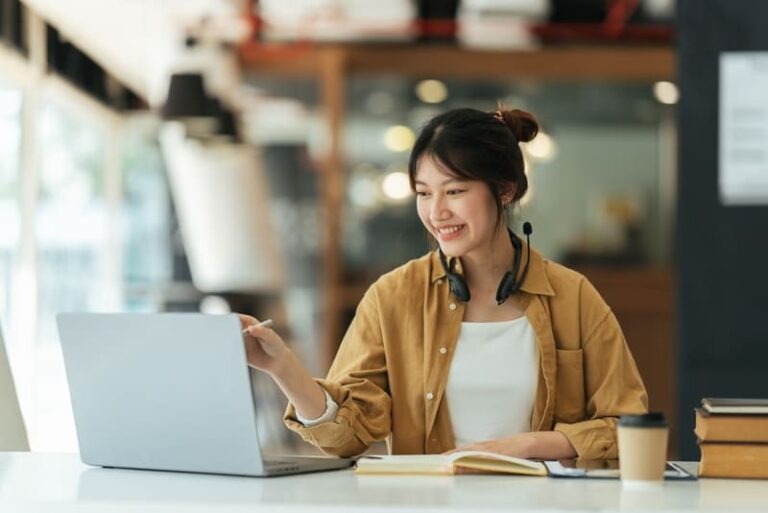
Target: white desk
x=34, y=482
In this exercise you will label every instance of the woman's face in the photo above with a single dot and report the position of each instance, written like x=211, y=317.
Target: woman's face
x=460, y=214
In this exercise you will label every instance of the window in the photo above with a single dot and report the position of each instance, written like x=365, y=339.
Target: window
x=145, y=217
x=74, y=268
x=10, y=134
x=98, y=207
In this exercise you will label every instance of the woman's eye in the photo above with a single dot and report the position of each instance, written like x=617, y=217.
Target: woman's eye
x=454, y=192
x=421, y=193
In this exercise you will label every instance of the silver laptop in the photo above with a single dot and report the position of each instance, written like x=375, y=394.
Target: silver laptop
x=167, y=392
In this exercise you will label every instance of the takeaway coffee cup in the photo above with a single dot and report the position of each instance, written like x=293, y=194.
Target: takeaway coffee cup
x=642, y=449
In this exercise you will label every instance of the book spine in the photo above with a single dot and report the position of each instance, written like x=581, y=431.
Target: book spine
x=731, y=428
x=734, y=460
x=709, y=468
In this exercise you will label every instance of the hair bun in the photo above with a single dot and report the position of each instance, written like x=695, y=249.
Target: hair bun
x=522, y=124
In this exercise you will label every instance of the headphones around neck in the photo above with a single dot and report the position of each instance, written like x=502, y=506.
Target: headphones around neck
x=508, y=284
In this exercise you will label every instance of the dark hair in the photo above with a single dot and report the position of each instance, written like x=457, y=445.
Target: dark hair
x=477, y=145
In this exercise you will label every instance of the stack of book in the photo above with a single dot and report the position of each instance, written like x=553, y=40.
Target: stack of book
x=733, y=437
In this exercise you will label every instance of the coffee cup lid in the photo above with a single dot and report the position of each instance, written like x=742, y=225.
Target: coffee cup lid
x=654, y=419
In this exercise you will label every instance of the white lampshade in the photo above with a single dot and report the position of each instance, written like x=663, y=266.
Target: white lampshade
x=221, y=198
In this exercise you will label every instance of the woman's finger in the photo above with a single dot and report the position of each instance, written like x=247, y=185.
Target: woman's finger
x=247, y=320
x=256, y=331
x=270, y=342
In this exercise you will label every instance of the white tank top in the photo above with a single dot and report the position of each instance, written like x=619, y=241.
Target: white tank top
x=492, y=383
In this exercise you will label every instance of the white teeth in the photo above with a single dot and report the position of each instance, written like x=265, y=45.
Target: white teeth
x=449, y=230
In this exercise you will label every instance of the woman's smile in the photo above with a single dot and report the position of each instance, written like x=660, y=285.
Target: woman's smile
x=450, y=232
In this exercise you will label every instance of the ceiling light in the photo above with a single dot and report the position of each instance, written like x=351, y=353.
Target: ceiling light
x=666, y=92
x=396, y=185
x=431, y=91
x=215, y=305
x=399, y=138
x=542, y=147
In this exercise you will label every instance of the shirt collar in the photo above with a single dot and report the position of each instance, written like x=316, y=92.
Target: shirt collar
x=536, y=282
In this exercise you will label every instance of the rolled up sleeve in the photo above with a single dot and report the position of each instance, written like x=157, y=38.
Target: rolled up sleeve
x=358, y=383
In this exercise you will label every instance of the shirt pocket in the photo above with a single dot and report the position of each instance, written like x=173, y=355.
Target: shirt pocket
x=569, y=398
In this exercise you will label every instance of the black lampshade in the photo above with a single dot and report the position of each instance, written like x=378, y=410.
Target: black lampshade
x=186, y=97
x=225, y=125
x=228, y=125
x=213, y=107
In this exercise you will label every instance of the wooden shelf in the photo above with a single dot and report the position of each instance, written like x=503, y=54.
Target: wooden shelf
x=628, y=63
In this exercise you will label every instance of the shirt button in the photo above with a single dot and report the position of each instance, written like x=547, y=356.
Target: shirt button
x=440, y=281
x=430, y=396
x=443, y=350
x=452, y=306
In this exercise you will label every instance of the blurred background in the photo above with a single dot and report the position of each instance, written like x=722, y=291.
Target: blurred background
x=225, y=155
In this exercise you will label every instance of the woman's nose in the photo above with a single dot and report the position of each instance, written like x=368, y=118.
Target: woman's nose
x=438, y=210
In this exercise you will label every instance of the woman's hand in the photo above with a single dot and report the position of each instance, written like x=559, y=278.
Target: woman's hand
x=544, y=445
x=264, y=348
x=518, y=446
x=267, y=352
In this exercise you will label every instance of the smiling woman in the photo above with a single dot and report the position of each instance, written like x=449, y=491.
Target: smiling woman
x=534, y=365
x=479, y=150
x=468, y=173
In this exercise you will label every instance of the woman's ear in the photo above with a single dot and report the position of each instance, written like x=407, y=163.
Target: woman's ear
x=508, y=195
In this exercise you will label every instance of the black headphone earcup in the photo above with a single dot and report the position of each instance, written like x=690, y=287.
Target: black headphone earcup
x=459, y=287
x=506, y=287
x=508, y=284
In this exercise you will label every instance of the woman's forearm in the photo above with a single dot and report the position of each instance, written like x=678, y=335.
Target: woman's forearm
x=301, y=389
x=549, y=445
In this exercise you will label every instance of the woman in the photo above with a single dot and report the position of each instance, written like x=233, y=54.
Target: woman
x=448, y=351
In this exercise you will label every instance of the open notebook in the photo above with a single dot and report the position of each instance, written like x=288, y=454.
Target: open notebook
x=447, y=464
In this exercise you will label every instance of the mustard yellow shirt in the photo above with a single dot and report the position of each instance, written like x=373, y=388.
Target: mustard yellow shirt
x=390, y=373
